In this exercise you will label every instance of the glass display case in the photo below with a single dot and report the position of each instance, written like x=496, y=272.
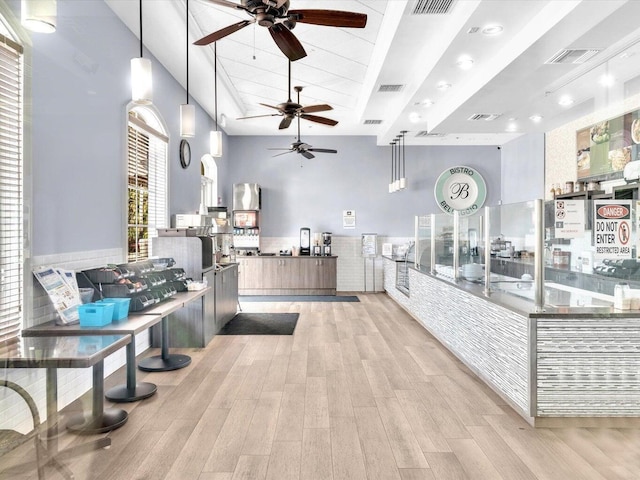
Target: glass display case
x=560, y=254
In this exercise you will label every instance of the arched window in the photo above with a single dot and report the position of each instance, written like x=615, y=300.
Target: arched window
x=209, y=181
x=147, y=184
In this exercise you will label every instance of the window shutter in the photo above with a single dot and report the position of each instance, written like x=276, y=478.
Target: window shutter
x=11, y=190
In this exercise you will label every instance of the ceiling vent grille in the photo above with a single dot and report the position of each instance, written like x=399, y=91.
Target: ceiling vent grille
x=432, y=7
x=575, y=56
x=390, y=88
x=473, y=30
x=487, y=117
x=372, y=122
x=424, y=133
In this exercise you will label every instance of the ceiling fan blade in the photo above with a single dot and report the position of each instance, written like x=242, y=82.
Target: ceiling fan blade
x=323, y=150
x=215, y=36
x=269, y=106
x=330, y=18
x=306, y=154
x=315, y=108
x=283, y=153
x=287, y=42
x=227, y=3
x=259, y=116
x=286, y=121
x=317, y=119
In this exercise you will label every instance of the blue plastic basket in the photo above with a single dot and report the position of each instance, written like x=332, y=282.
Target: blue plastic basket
x=95, y=314
x=120, y=307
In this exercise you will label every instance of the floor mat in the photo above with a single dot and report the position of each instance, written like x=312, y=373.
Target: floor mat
x=261, y=324
x=298, y=298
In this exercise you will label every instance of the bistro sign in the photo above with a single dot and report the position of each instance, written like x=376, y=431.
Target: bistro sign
x=460, y=189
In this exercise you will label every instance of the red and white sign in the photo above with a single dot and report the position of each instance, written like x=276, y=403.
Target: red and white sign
x=612, y=228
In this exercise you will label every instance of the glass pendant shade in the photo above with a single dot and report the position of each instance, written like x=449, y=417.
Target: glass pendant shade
x=403, y=183
x=391, y=187
x=215, y=143
x=141, y=81
x=187, y=120
x=39, y=15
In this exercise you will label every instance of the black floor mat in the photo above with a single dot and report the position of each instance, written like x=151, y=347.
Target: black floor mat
x=261, y=324
x=298, y=298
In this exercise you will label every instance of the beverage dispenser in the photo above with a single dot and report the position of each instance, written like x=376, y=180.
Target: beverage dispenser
x=305, y=241
x=326, y=243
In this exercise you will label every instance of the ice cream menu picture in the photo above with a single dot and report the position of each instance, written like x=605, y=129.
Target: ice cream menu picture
x=606, y=147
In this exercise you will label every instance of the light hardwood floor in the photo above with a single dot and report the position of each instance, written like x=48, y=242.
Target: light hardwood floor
x=360, y=391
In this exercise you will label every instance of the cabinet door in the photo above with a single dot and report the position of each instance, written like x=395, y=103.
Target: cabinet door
x=327, y=273
x=289, y=272
x=253, y=274
x=270, y=276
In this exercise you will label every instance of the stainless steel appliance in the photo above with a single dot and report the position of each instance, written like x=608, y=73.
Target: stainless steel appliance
x=326, y=243
x=305, y=241
x=247, y=201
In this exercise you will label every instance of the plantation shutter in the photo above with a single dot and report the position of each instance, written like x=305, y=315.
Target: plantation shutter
x=11, y=190
x=147, y=186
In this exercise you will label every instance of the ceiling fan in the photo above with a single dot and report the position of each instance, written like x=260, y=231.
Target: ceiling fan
x=276, y=16
x=302, y=148
x=289, y=110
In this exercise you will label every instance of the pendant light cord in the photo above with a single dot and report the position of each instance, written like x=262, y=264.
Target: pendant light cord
x=140, y=28
x=393, y=163
x=186, y=23
x=215, y=81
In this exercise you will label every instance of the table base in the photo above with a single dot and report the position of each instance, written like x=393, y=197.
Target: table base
x=122, y=393
x=107, y=421
x=164, y=364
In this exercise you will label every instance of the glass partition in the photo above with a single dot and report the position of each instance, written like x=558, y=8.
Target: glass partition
x=471, y=248
x=423, y=242
x=443, y=234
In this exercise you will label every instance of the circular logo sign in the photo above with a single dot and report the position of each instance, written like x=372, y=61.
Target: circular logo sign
x=462, y=189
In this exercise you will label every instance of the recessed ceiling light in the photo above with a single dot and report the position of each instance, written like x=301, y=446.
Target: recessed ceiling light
x=492, y=30
x=443, y=86
x=536, y=118
x=565, y=100
x=414, y=117
x=465, y=62
x=427, y=102
x=512, y=127
x=606, y=80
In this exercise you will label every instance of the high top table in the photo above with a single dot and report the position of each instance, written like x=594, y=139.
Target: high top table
x=54, y=352
x=131, y=325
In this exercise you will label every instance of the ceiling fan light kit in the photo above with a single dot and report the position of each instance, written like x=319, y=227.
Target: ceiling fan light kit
x=141, y=75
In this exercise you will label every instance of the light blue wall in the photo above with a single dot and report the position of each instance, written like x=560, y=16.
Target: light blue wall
x=523, y=169
x=80, y=91
x=297, y=192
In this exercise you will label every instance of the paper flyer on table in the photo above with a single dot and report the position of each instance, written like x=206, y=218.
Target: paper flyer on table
x=65, y=299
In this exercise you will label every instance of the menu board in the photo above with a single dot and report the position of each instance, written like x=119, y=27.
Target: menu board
x=606, y=147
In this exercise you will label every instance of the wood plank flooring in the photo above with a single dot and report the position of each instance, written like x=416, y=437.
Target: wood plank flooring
x=359, y=392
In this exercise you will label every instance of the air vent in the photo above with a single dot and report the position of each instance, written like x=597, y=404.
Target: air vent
x=372, y=122
x=473, y=30
x=483, y=116
x=575, y=56
x=390, y=88
x=432, y=7
x=424, y=133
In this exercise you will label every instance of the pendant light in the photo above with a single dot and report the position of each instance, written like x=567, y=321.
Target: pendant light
x=392, y=145
x=39, y=15
x=403, y=178
x=396, y=181
x=187, y=112
x=215, y=137
x=141, y=78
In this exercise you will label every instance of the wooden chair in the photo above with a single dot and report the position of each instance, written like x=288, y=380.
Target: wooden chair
x=10, y=439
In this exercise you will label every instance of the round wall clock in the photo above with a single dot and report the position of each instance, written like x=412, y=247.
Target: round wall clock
x=185, y=153
x=460, y=189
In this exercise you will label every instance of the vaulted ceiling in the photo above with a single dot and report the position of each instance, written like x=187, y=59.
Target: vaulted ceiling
x=385, y=77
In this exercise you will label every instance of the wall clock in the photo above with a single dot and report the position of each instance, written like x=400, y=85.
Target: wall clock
x=462, y=189
x=185, y=153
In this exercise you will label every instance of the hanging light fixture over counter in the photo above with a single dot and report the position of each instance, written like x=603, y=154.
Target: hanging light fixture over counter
x=398, y=166
x=215, y=137
x=141, y=75
x=187, y=112
x=39, y=15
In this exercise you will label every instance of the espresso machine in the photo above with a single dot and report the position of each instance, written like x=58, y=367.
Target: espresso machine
x=326, y=244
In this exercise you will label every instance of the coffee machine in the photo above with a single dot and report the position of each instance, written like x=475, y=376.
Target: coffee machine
x=305, y=241
x=326, y=244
